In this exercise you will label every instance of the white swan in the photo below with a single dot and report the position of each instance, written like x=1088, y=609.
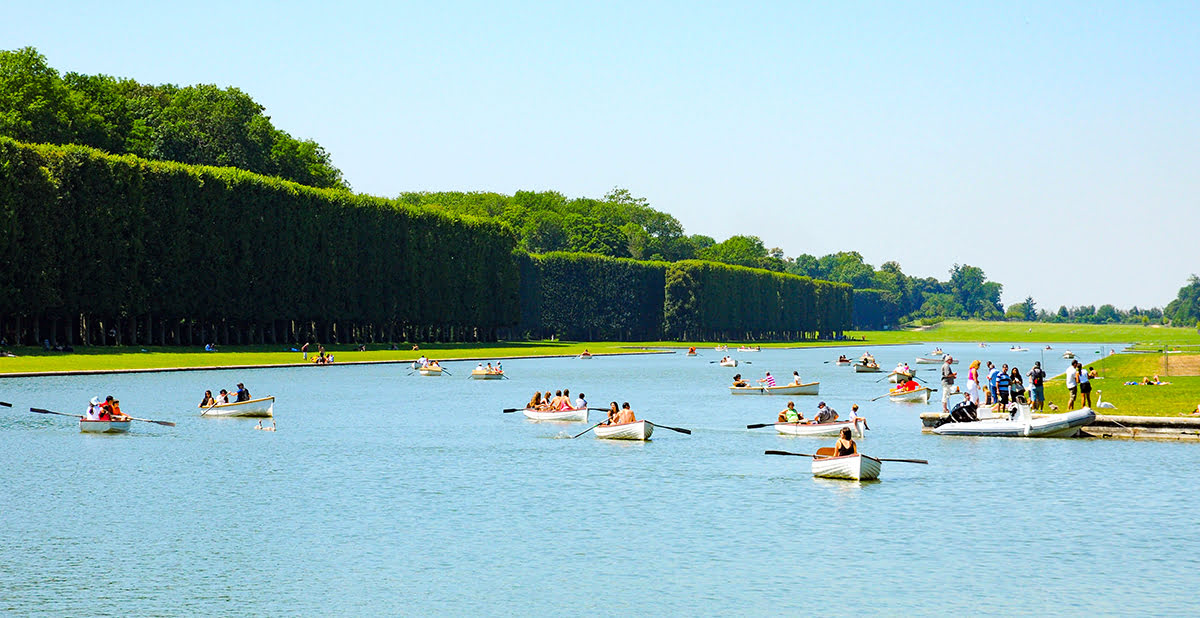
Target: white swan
x=1102, y=404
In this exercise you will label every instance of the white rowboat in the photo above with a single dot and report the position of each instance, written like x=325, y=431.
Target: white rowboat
x=1068, y=354
x=849, y=467
x=637, y=430
x=87, y=426
x=812, y=388
x=729, y=363
x=933, y=361
x=1024, y=426
x=585, y=357
x=573, y=415
x=918, y=395
x=483, y=374
x=430, y=371
x=1018, y=349
x=894, y=376
x=861, y=368
x=254, y=408
x=817, y=429
x=842, y=363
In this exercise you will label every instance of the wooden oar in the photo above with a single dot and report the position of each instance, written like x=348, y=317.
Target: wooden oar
x=511, y=410
x=760, y=425
x=147, y=420
x=587, y=430
x=916, y=461
x=45, y=411
x=215, y=404
x=446, y=370
x=687, y=431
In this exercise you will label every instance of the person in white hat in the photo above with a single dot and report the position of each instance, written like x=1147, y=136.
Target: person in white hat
x=93, y=411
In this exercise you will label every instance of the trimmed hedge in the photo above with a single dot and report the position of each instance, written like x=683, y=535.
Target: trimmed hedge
x=591, y=297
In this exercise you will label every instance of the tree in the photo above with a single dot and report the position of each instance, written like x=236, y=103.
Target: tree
x=1029, y=309
x=35, y=104
x=1185, y=309
x=978, y=297
x=737, y=250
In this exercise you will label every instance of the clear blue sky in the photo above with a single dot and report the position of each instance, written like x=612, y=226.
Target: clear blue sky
x=1056, y=146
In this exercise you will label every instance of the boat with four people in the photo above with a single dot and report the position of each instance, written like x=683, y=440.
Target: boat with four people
x=484, y=374
x=263, y=407
x=109, y=426
x=811, y=388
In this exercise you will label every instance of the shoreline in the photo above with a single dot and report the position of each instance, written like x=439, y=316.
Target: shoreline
x=86, y=372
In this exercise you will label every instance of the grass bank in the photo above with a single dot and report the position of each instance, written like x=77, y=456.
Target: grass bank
x=1179, y=397
x=958, y=331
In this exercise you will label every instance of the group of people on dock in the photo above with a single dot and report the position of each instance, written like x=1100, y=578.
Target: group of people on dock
x=107, y=410
x=560, y=400
x=240, y=394
x=1000, y=385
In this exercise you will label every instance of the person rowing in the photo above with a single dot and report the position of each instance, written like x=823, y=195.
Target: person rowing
x=825, y=414
x=243, y=393
x=843, y=359
x=768, y=381
x=790, y=414
x=845, y=444
x=626, y=415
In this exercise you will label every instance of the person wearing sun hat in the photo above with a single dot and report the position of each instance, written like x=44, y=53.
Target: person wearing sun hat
x=93, y=410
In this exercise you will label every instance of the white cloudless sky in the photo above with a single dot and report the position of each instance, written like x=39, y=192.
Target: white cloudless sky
x=1054, y=145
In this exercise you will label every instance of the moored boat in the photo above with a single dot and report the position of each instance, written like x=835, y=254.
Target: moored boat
x=848, y=467
x=865, y=368
x=818, y=429
x=811, y=388
x=87, y=426
x=262, y=407
x=1023, y=425
x=484, y=374
x=637, y=430
x=572, y=415
x=918, y=395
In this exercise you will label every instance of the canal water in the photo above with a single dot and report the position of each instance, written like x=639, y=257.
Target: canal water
x=389, y=493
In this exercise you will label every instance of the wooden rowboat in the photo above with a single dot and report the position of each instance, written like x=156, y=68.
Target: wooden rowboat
x=637, y=430
x=845, y=363
x=585, y=356
x=729, y=363
x=253, y=408
x=722, y=348
x=571, y=415
x=87, y=426
x=484, y=374
x=745, y=349
x=433, y=372
x=861, y=368
x=812, y=388
x=917, y=395
x=818, y=429
x=933, y=361
x=849, y=467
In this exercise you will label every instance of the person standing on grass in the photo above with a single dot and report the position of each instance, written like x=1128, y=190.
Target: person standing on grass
x=948, y=376
x=1072, y=378
x=1085, y=386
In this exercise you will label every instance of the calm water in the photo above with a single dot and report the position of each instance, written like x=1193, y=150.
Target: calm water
x=383, y=493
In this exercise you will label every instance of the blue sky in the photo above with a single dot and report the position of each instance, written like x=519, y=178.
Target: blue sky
x=1054, y=145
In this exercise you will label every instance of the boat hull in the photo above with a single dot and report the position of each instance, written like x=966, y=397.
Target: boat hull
x=637, y=430
x=731, y=363
x=430, y=372
x=1050, y=426
x=484, y=375
x=847, y=467
x=934, y=361
x=812, y=388
x=920, y=395
x=579, y=415
x=842, y=363
x=254, y=408
x=895, y=377
x=86, y=426
x=859, y=368
x=821, y=429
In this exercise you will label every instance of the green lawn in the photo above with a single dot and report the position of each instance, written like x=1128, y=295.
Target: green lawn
x=1179, y=397
x=98, y=358
x=1035, y=332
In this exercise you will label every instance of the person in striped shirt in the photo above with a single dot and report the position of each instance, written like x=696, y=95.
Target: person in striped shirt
x=769, y=380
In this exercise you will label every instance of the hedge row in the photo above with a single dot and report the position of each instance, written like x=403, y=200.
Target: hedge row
x=591, y=297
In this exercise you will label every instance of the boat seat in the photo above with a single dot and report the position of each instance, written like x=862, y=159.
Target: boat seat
x=825, y=451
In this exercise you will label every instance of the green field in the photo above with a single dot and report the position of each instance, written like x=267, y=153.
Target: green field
x=1180, y=397
x=112, y=358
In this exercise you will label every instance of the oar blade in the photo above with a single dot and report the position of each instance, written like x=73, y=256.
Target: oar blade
x=786, y=453
x=5, y=404
x=759, y=425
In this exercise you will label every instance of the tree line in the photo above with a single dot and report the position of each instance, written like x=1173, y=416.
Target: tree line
x=201, y=124
x=118, y=249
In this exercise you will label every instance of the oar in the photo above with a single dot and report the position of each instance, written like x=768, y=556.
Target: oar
x=215, y=404
x=760, y=425
x=587, y=430
x=446, y=370
x=146, y=420
x=511, y=410
x=916, y=461
x=687, y=431
x=44, y=411
x=5, y=404
x=881, y=397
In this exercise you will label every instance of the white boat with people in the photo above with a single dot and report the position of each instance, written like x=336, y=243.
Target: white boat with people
x=569, y=415
x=819, y=429
x=856, y=467
x=430, y=371
x=811, y=388
x=263, y=407
x=922, y=360
x=109, y=426
x=867, y=368
x=728, y=362
x=917, y=395
x=483, y=374
x=743, y=348
x=637, y=430
x=1020, y=424
x=722, y=348
x=1018, y=349
x=1068, y=354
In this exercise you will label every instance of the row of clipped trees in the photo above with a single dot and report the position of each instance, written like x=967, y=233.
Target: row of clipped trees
x=116, y=249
